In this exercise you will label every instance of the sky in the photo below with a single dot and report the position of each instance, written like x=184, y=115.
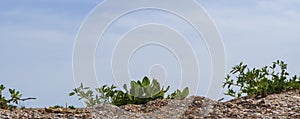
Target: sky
x=37, y=38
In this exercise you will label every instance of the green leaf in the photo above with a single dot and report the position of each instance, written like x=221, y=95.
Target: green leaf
x=167, y=89
x=185, y=93
x=155, y=87
x=140, y=84
x=130, y=97
x=11, y=91
x=145, y=82
x=2, y=87
x=125, y=88
x=72, y=93
x=141, y=93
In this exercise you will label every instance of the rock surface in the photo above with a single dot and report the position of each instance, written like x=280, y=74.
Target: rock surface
x=283, y=105
x=44, y=113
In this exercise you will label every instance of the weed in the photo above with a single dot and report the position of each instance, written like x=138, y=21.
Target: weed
x=260, y=82
x=15, y=98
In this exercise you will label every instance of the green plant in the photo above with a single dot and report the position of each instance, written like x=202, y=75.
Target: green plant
x=15, y=97
x=260, y=82
x=111, y=95
x=140, y=92
x=57, y=106
x=87, y=94
x=71, y=107
x=179, y=95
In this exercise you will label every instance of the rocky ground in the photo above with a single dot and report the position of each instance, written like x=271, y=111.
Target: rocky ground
x=44, y=113
x=283, y=105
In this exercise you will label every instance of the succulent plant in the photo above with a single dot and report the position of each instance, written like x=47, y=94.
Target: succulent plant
x=140, y=92
x=146, y=90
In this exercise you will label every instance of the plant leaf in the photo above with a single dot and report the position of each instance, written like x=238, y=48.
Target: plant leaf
x=145, y=82
x=185, y=93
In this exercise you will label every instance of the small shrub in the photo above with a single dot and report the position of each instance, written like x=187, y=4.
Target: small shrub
x=179, y=95
x=71, y=107
x=143, y=92
x=57, y=106
x=140, y=92
x=260, y=82
x=87, y=94
x=15, y=98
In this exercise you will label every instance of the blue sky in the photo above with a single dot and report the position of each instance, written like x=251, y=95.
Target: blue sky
x=37, y=37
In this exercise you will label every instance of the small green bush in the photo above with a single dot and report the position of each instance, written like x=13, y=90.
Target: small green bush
x=140, y=92
x=260, y=82
x=87, y=94
x=143, y=92
x=15, y=97
x=71, y=107
x=179, y=95
x=57, y=106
